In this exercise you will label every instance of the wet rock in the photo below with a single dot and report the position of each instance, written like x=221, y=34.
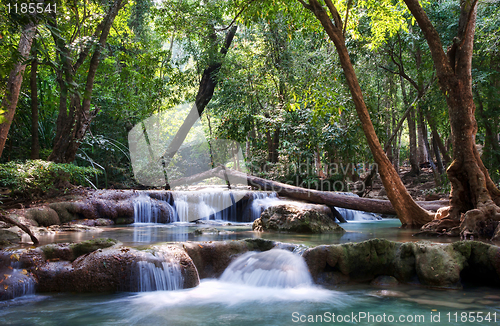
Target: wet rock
x=388, y=294
x=492, y=297
x=8, y=237
x=110, y=270
x=430, y=264
x=212, y=258
x=71, y=251
x=296, y=217
x=209, y=230
x=43, y=216
x=67, y=211
x=385, y=281
x=124, y=220
x=94, y=222
x=438, y=264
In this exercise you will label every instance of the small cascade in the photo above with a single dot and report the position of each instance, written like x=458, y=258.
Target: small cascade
x=354, y=215
x=213, y=205
x=16, y=281
x=149, y=210
x=260, y=202
x=273, y=268
x=165, y=277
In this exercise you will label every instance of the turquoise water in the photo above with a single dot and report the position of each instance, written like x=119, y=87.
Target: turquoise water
x=218, y=303
x=215, y=302
x=138, y=234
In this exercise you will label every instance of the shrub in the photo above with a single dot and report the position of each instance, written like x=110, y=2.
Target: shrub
x=34, y=178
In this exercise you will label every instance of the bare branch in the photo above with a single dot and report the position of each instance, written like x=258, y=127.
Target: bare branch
x=236, y=17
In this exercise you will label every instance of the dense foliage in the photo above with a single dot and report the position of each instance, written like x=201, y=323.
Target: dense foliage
x=281, y=93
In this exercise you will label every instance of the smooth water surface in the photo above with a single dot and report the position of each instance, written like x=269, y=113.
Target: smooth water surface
x=146, y=233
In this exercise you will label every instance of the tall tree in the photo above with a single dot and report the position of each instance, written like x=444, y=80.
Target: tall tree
x=75, y=114
x=9, y=102
x=473, y=193
x=408, y=211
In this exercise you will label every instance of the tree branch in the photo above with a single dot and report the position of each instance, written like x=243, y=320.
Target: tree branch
x=236, y=17
x=439, y=57
x=23, y=227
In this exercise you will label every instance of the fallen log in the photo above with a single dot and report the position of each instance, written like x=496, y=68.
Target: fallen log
x=328, y=198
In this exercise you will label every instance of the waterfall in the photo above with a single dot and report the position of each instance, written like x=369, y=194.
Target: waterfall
x=148, y=210
x=16, y=281
x=165, y=277
x=273, y=268
x=260, y=202
x=354, y=215
x=189, y=206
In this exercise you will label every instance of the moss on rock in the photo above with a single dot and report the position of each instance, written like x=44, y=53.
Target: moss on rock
x=43, y=216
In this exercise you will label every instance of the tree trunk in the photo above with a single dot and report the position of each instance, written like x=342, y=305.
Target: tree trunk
x=9, y=102
x=35, y=145
x=205, y=93
x=407, y=210
x=314, y=196
x=439, y=141
x=474, y=197
x=491, y=138
x=73, y=122
x=427, y=147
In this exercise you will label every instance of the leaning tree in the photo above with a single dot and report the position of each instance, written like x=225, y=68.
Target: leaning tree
x=474, y=198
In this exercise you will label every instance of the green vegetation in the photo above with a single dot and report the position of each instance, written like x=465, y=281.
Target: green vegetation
x=34, y=178
x=311, y=92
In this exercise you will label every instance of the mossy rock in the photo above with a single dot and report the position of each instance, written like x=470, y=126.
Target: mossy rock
x=296, y=217
x=71, y=251
x=44, y=216
x=124, y=220
x=88, y=246
x=67, y=211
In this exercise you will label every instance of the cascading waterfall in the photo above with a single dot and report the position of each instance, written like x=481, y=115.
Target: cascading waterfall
x=260, y=202
x=217, y=205
x=17, y=282
x=354, y=215
x=165, y=277
x=272, y=268
x=148, y=210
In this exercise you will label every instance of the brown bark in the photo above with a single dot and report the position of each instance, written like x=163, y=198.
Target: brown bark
x=9, y=102
x=407, y=210
x=491, y=139
x=474, y=197
x=205, y=92
x=73, y=122
x=23, y=227
x=439, y=141
x=314, y=196
x=35, y=145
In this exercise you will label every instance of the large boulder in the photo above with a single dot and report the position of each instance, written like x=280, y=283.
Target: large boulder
x=296, y=217
x=212, y=258
x=110, y=270
x=425, y=263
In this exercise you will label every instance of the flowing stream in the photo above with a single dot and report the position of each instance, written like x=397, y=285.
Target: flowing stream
x=257, y=288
